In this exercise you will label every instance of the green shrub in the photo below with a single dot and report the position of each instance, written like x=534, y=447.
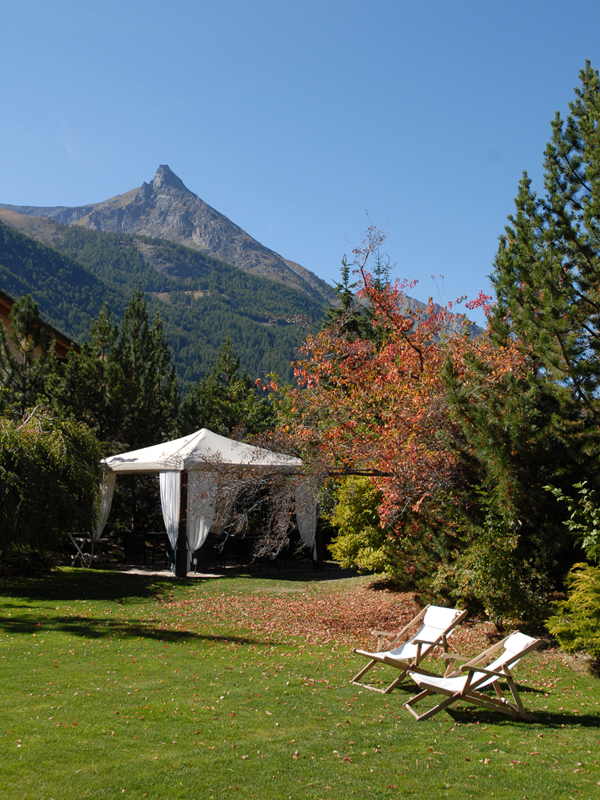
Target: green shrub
x=27, y=563
x=584, y=521
x=49, y=482
x=493, y=571
x=361, y=543
x=576, y=623
x=409, y=554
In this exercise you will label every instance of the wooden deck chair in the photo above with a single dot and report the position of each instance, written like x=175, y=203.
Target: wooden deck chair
x=466, y=682
x=434, y=623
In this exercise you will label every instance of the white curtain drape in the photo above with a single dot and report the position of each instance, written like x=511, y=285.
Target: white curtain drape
x=201, y=505
x=306, y=516
x=107, y=489
x=170, y=483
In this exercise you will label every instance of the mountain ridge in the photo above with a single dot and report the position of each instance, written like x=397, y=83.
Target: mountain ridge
x=166, y=209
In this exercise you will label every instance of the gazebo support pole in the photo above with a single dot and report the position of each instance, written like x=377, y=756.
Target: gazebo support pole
x=181, y=552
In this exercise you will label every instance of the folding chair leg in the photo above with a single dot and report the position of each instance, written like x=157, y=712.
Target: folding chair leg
x=499, y=692
x=358, y=675
x=368, y=686
x=391, y=687
x=402, y=675
x=395, y=683
x=414, y=700
x=432, y=711
x=518, y=701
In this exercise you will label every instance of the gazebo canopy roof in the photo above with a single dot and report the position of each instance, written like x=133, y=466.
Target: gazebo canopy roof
x=200, y=449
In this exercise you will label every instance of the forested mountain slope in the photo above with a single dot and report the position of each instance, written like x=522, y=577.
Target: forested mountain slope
x=166, y=209
x=199, y=298
x=69, y=296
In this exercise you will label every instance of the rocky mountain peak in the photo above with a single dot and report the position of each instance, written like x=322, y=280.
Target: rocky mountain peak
x=166, y=209
x=165, y=177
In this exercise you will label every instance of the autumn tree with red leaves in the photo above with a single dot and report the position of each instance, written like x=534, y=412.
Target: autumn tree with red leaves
x=376, y=405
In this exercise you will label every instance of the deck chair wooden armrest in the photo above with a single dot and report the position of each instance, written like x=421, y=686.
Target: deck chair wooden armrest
x=396, y=638
x=451, y=659
x=473, y=661
x=382, y=636
x=492, y=673
x=385, y=640
x=488, y=654
x=454, y=657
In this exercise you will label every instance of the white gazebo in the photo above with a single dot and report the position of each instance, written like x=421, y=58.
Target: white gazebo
x=189, y=483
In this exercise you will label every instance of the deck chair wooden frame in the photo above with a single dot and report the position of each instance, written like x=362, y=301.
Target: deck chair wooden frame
x=434, y=623
x=485, y=670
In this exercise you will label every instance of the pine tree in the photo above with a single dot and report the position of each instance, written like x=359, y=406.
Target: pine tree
x=547, y=270
x=226, y=401
x=82, y=388
x=547, y=280
x=143, y=383
x=353, y=317
x=122, y=383
x=540, y=426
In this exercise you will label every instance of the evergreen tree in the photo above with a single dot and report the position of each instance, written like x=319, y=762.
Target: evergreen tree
x=122, y=384
x=540, y=426
x=82, y=388
x=25, y=365
x=144, y=386
x=225, y=401
x=547, y=280
x=547, y=270
x=353, y=318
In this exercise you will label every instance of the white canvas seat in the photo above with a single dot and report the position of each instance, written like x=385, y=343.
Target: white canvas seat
x=434, y=623
x=476, y=674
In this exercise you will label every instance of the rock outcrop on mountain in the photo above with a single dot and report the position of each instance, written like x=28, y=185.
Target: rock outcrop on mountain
x=167, y=209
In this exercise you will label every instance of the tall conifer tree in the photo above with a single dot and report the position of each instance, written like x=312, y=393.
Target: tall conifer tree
x=146, y=391
x=226, y=401
x=547, y=270
x=122, y=383
x=541, y=427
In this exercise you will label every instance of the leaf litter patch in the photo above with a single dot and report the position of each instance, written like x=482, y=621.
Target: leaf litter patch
x=346, y=616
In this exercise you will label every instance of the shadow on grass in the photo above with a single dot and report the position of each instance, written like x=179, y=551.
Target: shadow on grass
x=546, y=718
x=99, y=628
x=89, y=584
x=408, y=686
x=304, y=572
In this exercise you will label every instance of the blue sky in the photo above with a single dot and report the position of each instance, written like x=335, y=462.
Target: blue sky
x=296, y=120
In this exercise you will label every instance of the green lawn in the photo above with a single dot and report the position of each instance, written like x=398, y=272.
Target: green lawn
x=117, y=685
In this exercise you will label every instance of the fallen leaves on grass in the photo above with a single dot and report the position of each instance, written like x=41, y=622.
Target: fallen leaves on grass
x=346, y=617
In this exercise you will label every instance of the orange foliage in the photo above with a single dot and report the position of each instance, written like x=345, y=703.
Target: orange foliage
x=380, y=405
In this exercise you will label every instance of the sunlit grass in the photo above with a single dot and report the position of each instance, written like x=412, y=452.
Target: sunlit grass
x=116, y=685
